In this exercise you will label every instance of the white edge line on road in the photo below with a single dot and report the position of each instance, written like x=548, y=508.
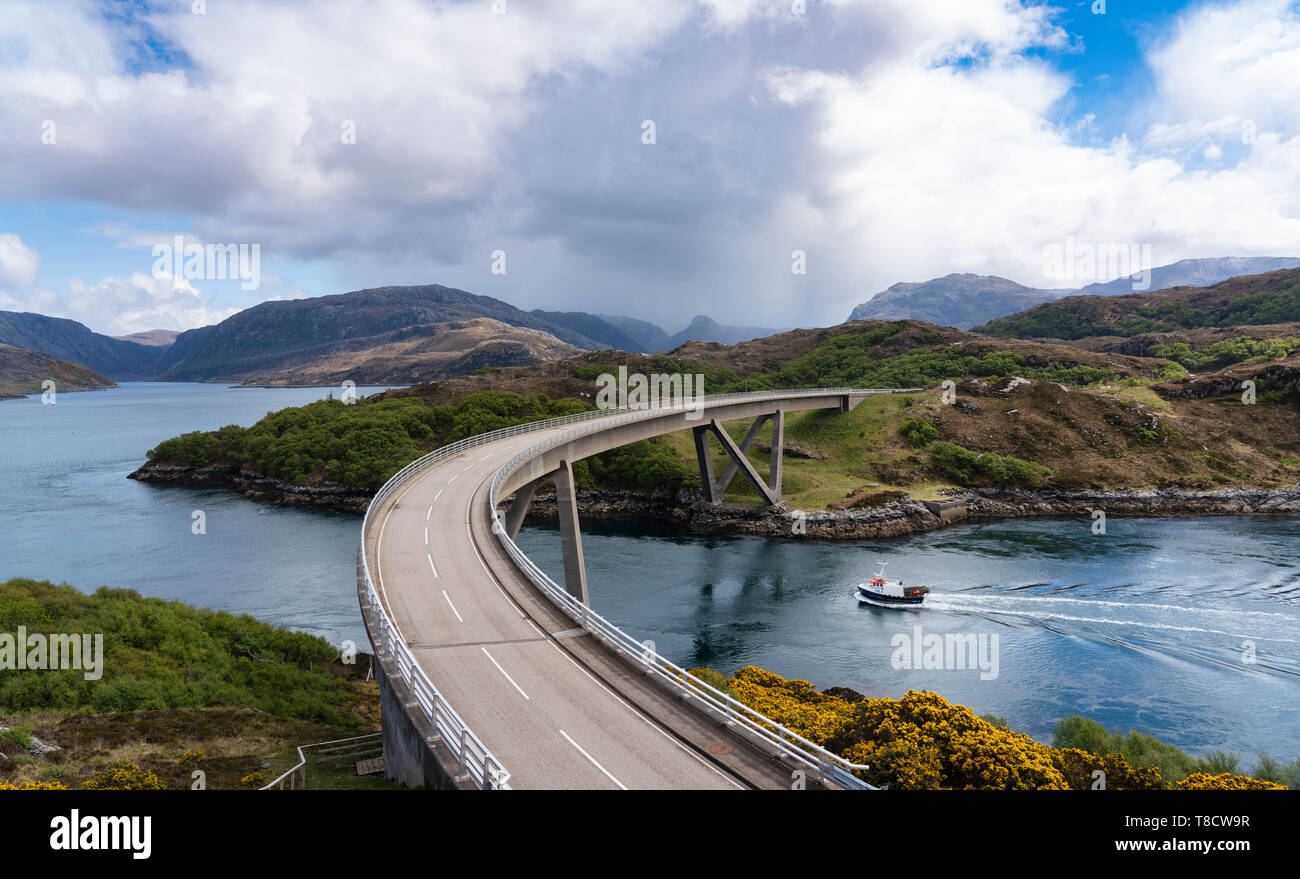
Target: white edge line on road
x=452, y=606
x=593, y=761
x=517, y=687
x=426, y=535
x=428, y=514
x=430, y=558
x=436, y=496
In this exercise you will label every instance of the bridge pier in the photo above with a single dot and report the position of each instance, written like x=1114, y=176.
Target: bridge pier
x=519, y=507
x=566, y=503
x=714, y=489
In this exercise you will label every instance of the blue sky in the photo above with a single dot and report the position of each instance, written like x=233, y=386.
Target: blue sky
x=889, y=141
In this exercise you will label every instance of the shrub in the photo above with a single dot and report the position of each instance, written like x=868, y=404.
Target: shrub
x=122, y=775
x=1226, y=781
x=32, y=785
x=715, y=679
x=1078, y=767
x=169, y=655
x=918, y=432
x=964, y=467
x=256, y=779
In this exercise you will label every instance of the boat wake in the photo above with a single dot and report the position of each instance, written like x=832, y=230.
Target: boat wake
x=1246, y=625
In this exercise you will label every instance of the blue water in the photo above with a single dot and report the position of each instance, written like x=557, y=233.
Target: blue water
x=1143, y=628
x=69, y=514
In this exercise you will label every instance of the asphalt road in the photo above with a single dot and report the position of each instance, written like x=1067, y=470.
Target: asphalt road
x=515, y=672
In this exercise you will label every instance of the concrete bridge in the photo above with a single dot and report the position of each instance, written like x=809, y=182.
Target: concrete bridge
x=546, y=692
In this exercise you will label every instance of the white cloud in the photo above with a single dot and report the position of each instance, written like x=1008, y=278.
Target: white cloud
x=119, y=306
x=934, y=169
x=19, y=264
x=849, y=132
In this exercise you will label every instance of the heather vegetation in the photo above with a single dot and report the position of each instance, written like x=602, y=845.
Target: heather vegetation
x=1079, y=318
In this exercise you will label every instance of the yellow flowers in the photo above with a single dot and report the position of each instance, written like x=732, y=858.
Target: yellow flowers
x=122, y=775
x=255, y=779
x=33, y=785
x=191, y=759
x=1226, y=781
x=923, y=742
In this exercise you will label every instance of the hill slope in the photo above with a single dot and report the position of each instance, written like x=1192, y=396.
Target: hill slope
x=75, y=342
x=958, y=300
x=1269, y=298
x=23, y=372
x=649, y=338
x=966, y=300
x=1194, y=273
x=281, y=335
x=593, y=327
x=421, y=353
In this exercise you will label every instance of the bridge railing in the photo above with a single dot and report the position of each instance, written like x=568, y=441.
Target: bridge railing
x=475, y=760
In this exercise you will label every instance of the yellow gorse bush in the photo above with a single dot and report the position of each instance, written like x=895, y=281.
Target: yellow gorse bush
x=255, y=779
x=1226, y=781
x=33, y=785
x=122, y=775
x=924, y=742
x=191, y=759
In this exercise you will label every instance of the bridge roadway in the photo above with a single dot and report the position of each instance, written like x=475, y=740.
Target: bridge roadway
x=555, y=706
x=481, y=631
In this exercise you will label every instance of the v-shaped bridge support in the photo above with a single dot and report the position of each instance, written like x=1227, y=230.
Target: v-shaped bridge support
x=575, y=574
x=714, y=489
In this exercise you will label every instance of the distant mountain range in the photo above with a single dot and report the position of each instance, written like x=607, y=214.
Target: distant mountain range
x=403, y=335
x=705, y=329
x=966, y=300
x=386, y=335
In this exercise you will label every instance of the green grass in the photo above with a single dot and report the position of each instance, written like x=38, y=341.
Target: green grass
x=1142, y=750
x=166, y=655
x=854, y=444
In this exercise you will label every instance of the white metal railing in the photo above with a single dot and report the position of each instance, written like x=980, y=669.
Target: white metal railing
x=295, y=777
x=475, y=760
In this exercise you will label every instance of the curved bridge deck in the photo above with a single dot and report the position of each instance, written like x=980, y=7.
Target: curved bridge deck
x=551, y=702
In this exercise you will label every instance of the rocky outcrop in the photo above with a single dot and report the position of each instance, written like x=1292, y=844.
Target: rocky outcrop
x=256, y=487
x=1275, y=377
x=1158, y=502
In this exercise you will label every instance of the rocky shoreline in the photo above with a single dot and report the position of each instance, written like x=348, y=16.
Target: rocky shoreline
x=687, y=510
x=257, y=487
x=910, y=516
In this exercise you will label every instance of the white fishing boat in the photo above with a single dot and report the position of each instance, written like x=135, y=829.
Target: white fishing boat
x=881, y=590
